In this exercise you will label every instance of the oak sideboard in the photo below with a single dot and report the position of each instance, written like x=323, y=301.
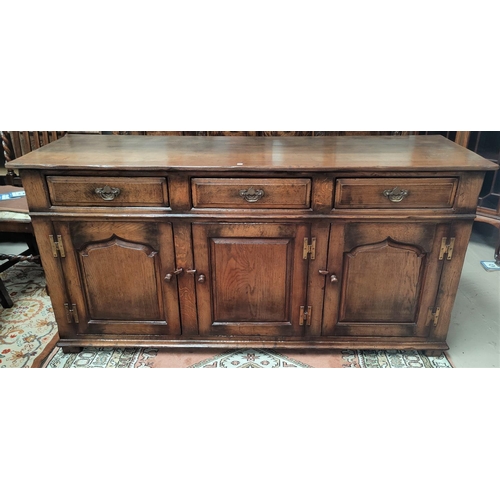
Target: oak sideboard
x=289, y=242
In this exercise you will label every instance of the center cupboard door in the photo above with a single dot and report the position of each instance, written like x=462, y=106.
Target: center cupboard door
x=254, y=278
x=386, y=277
x=115, y=277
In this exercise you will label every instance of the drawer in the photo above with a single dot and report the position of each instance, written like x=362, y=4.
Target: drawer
x=108, y=191
x=396, y=192
x=251, y=193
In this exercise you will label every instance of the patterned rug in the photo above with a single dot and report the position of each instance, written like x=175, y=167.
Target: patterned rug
x=28, y=330
x=95, y=357
x=28, y=334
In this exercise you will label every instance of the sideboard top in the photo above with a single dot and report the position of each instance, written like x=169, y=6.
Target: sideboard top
x=129, y=152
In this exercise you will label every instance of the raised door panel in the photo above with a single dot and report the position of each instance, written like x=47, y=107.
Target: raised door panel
x=103, y=263
x=255, y=278
x=387, y=278
x=252, y=280
x=115, y=276
x=366, y=268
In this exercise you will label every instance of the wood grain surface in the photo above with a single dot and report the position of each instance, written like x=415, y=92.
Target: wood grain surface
x=225, y=193
x=253, y=153
x=133, y=191
x=224, y=256
x=422, y=193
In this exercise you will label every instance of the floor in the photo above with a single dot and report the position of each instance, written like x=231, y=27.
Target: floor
x=474, y=333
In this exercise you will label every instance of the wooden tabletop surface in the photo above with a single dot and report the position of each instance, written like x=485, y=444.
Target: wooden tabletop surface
x=350, y=153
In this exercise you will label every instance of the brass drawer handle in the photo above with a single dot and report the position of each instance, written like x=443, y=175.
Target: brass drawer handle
x=252, y=195
x=107, y=193
x=395, y=195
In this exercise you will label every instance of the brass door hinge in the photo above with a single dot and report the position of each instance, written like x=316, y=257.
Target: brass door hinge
x=71, y=314
x=57, y=246
x=305, y=315
x=433, y=316
x=446, y=249
x=309, y=249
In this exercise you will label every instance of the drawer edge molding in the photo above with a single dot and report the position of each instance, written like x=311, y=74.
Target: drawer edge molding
x=396, y=193
x=107, y=191
x=254, y=193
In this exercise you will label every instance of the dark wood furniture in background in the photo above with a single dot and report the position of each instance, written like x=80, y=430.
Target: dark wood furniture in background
x=486, y=144
x=488, y=209
x=16, y=144
x=12, y=229
x=325, y=242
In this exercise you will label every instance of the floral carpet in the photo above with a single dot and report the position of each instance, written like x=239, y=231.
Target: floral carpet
x=101, y=357
x=28, y=330
x=28, y=336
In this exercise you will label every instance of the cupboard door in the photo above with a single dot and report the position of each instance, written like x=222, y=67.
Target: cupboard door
x=115, y=275
x=387, y=278
x=254, y=278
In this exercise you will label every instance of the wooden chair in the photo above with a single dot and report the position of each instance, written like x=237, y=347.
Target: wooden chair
x=16, y=144
x=15, y=223
x=15, y=226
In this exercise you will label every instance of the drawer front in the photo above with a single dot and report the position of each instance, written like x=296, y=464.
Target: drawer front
x=108, y=191
x=396, y=192
x=251, y=193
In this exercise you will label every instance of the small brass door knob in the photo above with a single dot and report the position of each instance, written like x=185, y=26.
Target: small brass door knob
x=201, y=277
x=325, y=272
x=168, y=277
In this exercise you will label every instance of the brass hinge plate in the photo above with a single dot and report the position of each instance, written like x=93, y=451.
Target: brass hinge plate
x=57, y=246
x=433, y=316
x=305, y=315
x=71, y=313
x=309, y=249
x=446, y=249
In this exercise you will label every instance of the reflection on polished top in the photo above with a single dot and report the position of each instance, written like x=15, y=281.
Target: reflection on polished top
x=254, y=153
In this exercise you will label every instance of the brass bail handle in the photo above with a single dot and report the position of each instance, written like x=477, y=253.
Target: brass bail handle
x=395, y=194
x=107, y=193
x=251, y=195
